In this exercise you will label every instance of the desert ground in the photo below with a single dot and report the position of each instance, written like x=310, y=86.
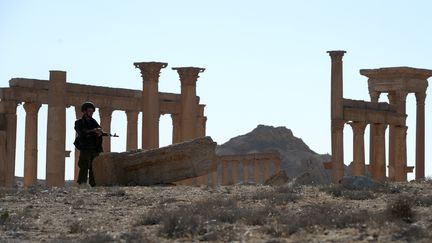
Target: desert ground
x=391, y=212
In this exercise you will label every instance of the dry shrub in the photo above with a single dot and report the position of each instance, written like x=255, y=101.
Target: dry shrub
x=352, y=194
x=325, y=215
x=76, y=227
x=180, y=223
x=151, y=217
x=423, y=200
x=400, y=208
x=116, y=192
x=194, y=219
x=279, y=196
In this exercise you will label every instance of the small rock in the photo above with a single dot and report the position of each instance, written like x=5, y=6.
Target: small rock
x=277, y=179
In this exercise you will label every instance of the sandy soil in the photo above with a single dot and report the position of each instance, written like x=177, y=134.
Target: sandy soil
x=395, y=212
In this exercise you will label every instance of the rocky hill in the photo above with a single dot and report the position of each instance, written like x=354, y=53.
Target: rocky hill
x=297, y=158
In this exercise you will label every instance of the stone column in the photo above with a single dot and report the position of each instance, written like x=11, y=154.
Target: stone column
x=3, y=154
x=336, y=84
x=150, y=103
x=224, y=173
x=266, y=173
x=397, y=98
x=132, y=130
x=214, y=176
x=188, y=79
x=358, y=167
x=8, y=124
x=379, y=165
x=56, y=135
x=105, y=114
x=374, y=98
x=176, y=132
x=201, y=122
x=256, y=171
x=245, y=165
x=400, y=173
x=337, y=114
x=392, y=97
x=234, y=172
x=420, y=136
x=78, y=115
x=337, y=151
x=30, y=147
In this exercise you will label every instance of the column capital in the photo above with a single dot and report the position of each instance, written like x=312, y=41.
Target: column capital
x=336, y=55
x=401, y=95
x=150, y=70
x=392, y=98
x=31, y=107
x=421, y=97
x=105, y=112
x=188, y=75
x=375, y=95
x=8, y=106
x=380, y=129
x=131, y=114
x=337, y=125
x=358, y=127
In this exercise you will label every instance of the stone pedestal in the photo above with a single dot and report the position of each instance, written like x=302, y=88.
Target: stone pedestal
x=189, y=114
x=358, y=167
x=105, y=114
x=56, y=135
x=420, y=136
x=132, y=130
x=30, y=147
x=150, y=103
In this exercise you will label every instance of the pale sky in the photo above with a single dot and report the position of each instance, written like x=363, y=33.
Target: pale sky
x=265, y=61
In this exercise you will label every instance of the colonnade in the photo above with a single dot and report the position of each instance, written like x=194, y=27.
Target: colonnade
x=247, y=168
x=398, y=82
x=58, y=97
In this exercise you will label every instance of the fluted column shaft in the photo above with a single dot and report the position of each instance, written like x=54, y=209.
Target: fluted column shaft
x=189, y=113
x=150, y=103
x=56, y=127
x=420, y=136
x=358, y=167
x=105, y=114
x=132, y=130
x=379, y=165
x=30, y=147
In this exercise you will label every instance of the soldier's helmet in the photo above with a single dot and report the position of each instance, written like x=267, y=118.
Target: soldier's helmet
x=86, y=105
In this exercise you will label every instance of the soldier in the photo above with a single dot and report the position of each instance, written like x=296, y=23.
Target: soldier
x=88, y=141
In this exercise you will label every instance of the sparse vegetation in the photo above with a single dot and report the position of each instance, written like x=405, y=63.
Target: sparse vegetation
x=237, y=213
x=400, y=208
